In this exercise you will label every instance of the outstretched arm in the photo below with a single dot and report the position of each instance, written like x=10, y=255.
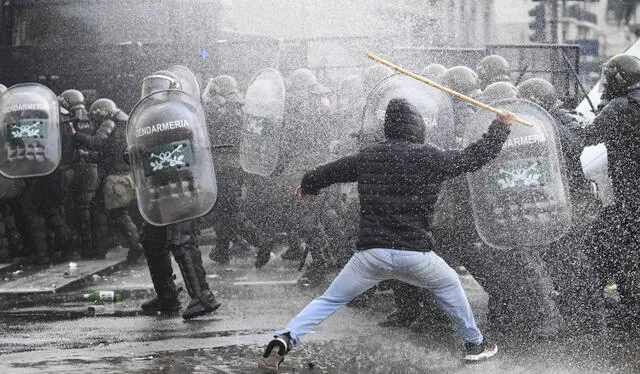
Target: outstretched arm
x=343, y=170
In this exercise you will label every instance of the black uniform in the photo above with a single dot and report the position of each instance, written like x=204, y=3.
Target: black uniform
x=225, y=118
x=614, y=238
x=182, y=241
x=304, y=143
x=85, y=178
x=111, y=141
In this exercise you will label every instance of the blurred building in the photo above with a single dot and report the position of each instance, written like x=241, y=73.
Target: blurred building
x=454, y=23
x=602, y=27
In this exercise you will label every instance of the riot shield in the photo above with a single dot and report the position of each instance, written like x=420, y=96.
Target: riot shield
x=434, y=105
x=264, y=110
x=171, y=158
x=30, y=139
x=188, y=80
x=520, y=198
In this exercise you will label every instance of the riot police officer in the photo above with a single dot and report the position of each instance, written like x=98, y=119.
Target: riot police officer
x=373, y=75
x=614, y=238
x=115, y=189
x=306, y=135
x=223, y=107
x=85, y=168
x=434, y=72
x=465, y=81
x=492, y=69
x=574, y=277
x=499, y=91
x=181, y=239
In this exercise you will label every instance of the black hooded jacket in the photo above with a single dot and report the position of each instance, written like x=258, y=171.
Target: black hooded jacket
x=399, y=179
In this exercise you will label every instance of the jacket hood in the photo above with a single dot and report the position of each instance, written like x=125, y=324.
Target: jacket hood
x=403, y=122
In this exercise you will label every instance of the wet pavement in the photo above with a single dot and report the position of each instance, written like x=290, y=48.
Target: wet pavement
x=56, y=333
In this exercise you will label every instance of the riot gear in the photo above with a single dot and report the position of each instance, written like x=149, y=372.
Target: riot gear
x=187, y=80
x=461, y=79
x=180, y=240
x=301, y=80
x=103, y=109
x=171, y=158
x=539, y=91
x=491, y=69
x=620, y=73
x=30, y=120
x=71, y=99
x=224, y=85
x=499, y=91
x=529, y=169
x=170, y=153
x=349, y=91
x=3, y=88
x=434, y=72
x=264, y=111
x=160, y=81
x=373, y=75
x=226, y=120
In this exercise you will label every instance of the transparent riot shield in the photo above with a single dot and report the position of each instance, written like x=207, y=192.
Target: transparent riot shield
x=30, y=139
x=188, y=80
x=171, y=158
x=520, y=198
x=264, y=110
x=434, y=105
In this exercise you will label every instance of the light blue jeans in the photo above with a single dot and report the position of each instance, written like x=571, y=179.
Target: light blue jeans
x=369, y=267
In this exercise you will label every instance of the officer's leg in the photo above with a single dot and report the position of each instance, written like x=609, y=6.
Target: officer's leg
x=130, y=232
x=35, y=225
x=5, y=254
x=159, y=261
x=183, y=245
x=16, y=245
x=84, y=197
x=549, y=320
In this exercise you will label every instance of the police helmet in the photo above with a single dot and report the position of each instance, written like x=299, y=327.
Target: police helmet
x=493, y=68
x=620, y=73
x=539, y=91
x=71, y=99
x=302, y=79
x=160, y=81
x=103, y=109
x=434, y=72
x=461, y=79
x=224, y=85
x=499, y=91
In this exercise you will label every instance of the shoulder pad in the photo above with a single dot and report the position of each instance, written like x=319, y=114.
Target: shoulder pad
x=121, y=117
x=619, y=104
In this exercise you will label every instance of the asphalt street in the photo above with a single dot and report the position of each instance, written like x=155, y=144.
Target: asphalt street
x=56, y=332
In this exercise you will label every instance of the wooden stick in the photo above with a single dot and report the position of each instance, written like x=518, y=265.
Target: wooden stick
x=442, y=88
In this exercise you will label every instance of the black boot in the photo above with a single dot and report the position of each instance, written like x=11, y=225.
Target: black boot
x=263, y=257
x=161, y=272
x=203, y=301
x=167, y=303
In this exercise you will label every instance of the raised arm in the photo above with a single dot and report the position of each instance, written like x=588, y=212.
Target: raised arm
x=452, y=163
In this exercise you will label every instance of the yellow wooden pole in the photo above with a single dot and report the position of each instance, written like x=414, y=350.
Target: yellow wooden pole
x=441, y=87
